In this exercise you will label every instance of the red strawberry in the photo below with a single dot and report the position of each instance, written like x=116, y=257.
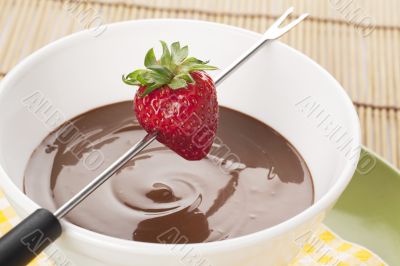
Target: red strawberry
x=178, y=100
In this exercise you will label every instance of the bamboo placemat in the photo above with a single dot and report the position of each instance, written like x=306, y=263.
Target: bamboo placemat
x=357, y=41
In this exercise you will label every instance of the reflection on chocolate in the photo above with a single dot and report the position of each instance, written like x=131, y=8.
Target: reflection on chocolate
x=252, y=179
x=191, y=222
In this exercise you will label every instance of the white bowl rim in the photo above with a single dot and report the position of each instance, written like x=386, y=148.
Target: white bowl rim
x=108, y=242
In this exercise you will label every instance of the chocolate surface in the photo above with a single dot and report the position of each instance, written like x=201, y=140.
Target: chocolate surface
x=251, y=180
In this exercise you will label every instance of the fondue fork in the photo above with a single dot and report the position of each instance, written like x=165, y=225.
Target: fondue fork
x=30, y=237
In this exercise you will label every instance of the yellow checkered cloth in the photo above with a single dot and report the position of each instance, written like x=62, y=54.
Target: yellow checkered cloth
x=327, y=248
x=323, y=248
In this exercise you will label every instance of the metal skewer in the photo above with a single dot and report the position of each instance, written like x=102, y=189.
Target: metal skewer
x=18, y=247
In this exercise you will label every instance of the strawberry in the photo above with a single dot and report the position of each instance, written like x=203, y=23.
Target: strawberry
x=178, y=100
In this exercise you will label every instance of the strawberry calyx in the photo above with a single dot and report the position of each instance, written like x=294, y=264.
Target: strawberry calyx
x=172, y=69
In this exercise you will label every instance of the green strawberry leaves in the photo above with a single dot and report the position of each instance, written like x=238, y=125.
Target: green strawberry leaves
x=162, y=71
x=150, y=58
x=172, y=69
x=166, y=57
x=177, y=83
x=178, y=53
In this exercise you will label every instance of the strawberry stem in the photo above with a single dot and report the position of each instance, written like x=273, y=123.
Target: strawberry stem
x=172, y=69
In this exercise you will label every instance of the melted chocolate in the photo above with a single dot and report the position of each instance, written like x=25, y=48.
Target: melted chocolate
x=252, y=179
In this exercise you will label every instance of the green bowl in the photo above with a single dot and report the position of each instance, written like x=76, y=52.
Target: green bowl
x=368, y=212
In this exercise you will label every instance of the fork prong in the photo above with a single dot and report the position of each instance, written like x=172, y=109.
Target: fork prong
x=279, y=21
x=272, y=33
x=294, y=22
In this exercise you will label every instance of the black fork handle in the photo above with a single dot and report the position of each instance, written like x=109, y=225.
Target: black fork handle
x=29, y=238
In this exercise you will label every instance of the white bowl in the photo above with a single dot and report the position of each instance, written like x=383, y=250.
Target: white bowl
x=279, y=86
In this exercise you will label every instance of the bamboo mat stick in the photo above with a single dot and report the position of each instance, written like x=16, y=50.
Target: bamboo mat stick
x=396, y=43
x=23, y=35
x=338, y=60
x=62, y=15
x=125, y=14
x=117, y=16
x=5, y=7
x=225, y=16
x=258, y=22
x=11, y=33
x=323, y=42
x=376, y=90
x=376, y=96
x=109, y=14
x=132, y=13
x=368, y=95
x=15, y=34
x=6, y=22
x=394, y=59
x=34, y=25
x=114, y=14
x=3, y=16
x=219, y=17
x=396, y=88
x=36, y=40
x=384, y=87
x=354, y=69
x=59, y=16
x=45, y=20
x=6, y=19
x=319, y=41
x=248, y=21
